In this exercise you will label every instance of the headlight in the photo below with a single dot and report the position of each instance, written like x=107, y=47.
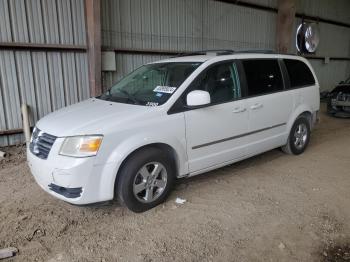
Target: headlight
x=81, y=146
x=31, y=137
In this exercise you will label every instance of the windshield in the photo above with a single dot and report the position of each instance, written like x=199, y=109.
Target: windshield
x=150, y=85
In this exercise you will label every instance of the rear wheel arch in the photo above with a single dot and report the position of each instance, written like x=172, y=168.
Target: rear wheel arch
x=300, y=112
x=305, y=117
x=306, y=113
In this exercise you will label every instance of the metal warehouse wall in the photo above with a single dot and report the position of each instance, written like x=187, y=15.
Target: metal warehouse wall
x=49, y=79
x=180, y=25
x=185, y=25
x=45, y=80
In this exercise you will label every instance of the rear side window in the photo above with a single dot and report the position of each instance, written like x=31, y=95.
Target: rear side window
x=299, y=73
x=263, y=76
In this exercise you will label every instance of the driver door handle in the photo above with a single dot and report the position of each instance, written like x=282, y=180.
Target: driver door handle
x=256, y=106
x=239, y=110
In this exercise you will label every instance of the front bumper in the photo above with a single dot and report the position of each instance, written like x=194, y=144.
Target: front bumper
x=340, y=103
x=74, y=180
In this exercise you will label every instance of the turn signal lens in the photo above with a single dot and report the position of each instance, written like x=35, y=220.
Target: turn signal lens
x=91, y=145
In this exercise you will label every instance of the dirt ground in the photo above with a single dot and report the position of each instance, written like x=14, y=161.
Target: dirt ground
x=273, y=207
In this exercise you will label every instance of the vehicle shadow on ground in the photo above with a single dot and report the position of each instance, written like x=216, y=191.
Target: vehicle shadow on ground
x=114, y=206
x=182, y=183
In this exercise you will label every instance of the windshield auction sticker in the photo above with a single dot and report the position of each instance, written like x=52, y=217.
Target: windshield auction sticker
x=165, y=89
x=152, y=104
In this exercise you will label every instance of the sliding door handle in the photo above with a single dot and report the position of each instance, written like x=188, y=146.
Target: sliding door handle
x=239, y=110
x=256, y=106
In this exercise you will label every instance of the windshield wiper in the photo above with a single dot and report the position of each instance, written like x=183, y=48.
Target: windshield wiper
x=130, y=96
x=110, y=97
x=106, y=96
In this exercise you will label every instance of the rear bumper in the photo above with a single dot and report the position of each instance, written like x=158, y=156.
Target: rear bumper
x=74, y=180
x=315, y=119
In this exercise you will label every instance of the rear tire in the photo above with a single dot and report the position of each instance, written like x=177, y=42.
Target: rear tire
x=299, y=137
x=145, y=179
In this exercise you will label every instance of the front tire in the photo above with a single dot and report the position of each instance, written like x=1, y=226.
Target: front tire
x=299, y=137
x=145, y=180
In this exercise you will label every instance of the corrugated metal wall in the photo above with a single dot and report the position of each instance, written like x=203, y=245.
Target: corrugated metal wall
x=48, y=80
x=44, y=80
x=185, y=25
x=180, y=25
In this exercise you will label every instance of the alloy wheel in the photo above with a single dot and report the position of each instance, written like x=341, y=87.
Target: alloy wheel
x=150, y=182
x=300, y=136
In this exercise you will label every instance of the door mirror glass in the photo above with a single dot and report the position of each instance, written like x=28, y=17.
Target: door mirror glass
x=198, y=98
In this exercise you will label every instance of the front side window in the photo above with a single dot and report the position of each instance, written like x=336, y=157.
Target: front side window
x=263, y=76
x=221, y=81
x=299, y=73
x=150, y=85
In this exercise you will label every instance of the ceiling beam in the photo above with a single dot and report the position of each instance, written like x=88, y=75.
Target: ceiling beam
x=275, y=10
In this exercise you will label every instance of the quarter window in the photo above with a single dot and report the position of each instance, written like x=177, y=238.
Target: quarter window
x=221, y=81
x=263, y=76
x=299, y=73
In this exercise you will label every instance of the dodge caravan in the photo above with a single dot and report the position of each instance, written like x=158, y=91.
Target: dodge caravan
x=174, y=118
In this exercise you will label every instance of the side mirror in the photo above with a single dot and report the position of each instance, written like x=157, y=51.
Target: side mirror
x=198, y=98
x=341, y=82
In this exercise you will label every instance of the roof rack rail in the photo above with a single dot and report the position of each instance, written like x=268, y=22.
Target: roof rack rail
x=218, y=52
x=260, y=51
x=208, y=52
x=263, y=51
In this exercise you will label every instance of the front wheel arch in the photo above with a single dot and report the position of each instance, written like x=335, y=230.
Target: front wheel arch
x=171, y=153
x=124, y=190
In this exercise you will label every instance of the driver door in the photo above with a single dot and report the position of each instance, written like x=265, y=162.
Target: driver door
x=215, y=133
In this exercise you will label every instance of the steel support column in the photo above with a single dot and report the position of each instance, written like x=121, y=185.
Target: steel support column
x=285, y=21
x=93, y=25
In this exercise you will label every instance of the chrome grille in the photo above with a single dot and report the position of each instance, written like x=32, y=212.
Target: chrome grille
x=41, y=143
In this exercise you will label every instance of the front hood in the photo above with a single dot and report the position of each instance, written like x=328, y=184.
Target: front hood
x=92, y=116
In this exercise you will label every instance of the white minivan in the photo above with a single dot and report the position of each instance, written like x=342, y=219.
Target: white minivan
x=174, y=118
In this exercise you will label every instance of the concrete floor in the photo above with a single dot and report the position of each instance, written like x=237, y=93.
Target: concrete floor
x=273, y=207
